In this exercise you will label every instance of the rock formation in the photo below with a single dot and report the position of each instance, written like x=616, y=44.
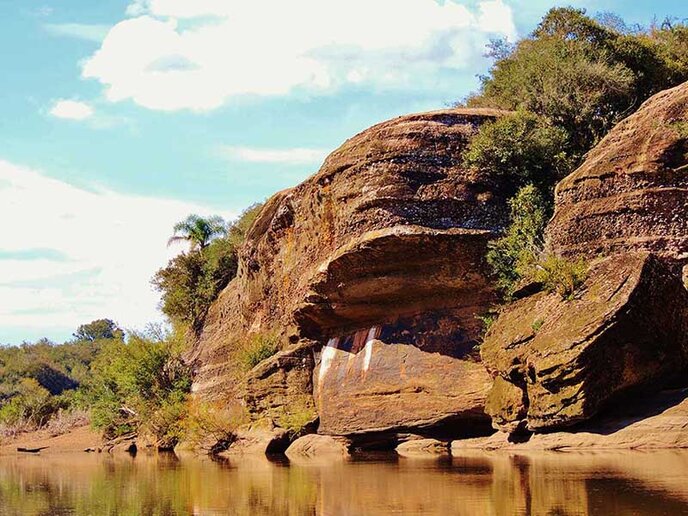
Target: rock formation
x=314, y=445
x=372, y=271
x=422, y=448
x=379, y=260
x=558, y=362
x=394, y=388
x=632, y=191
x=657, y=421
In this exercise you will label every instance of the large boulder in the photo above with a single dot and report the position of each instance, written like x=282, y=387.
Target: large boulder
x=280, y=386
x=314, y=445
x=420, y=448
x=365, y=386
x=390, y=233
x=559, y=362
x=631, y=192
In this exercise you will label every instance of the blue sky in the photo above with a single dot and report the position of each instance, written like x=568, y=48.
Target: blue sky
x=118, y=118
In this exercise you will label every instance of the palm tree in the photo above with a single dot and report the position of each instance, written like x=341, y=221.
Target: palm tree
x=198, y=231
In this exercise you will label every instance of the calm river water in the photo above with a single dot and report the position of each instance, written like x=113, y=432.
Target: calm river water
x=498, y=483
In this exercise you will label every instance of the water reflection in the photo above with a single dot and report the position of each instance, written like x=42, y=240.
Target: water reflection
x=496, y=483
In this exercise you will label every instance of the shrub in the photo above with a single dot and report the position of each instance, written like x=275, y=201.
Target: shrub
x=30, y=408
x=67, y=419
x=257, y=348
x=559, y=274
x=139, y=385
x=523, y=148
x=537, y=324
x=511, y=254
x=487, y=319
x=212, y=427
x=297, y=417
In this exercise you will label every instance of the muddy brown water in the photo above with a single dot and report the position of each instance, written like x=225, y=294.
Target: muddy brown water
x=495, y=483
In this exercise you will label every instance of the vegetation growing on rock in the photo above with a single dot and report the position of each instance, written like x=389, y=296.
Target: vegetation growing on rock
x=570, y=81
x=584, y=74
x=192, y=280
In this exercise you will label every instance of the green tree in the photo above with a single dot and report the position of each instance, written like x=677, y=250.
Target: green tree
x=97, y=330
x=139, y=386
x=521, y=148
x=521, y=244
x=31, y=406
x=192, y=281
x=198, y=231
x=583, y=75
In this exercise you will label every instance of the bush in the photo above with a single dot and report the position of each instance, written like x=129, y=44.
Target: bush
x=67, y=419
x=258, y=348
x=212, y=427
x=297, y=417
x=558, y=274
x=513, y=253
x=523, y=148
x=139, y=386
x=30, y=408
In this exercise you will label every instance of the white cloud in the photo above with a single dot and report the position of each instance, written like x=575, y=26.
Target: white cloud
x=177, y=54
x=71, y=110
x=295, y=156
x=83, y=31
x=97, y=251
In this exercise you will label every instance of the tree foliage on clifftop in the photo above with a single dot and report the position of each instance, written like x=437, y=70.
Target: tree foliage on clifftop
x=569, y=83
x=583, y=74
x=192, y=280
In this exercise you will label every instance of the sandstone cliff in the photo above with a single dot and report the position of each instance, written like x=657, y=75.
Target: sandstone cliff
x=632, y=191
x=378, y=260
x=558, y=362
x=371, y=274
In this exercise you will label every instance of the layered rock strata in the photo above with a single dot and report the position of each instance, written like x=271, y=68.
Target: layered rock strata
x=558, y=362
x=631, y=193
x=390, y=234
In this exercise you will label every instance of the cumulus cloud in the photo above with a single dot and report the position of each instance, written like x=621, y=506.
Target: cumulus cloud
x=177, y=54
x=69, y=255
x=295, y=156
x=71, y=110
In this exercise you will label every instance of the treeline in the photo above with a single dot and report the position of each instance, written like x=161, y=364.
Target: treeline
x=568, y=83
x=135, y=383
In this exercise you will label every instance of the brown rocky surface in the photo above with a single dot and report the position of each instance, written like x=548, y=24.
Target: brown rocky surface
x=383, y=387
x=658, y=421
x=281, y=384
x=631, y=193
x=559, y=362
x=262, y=438
x=423, y=448
x=390, y=233
x=314, y=445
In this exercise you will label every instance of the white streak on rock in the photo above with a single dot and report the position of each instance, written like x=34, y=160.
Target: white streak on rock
x=328, y=353
x=369, y=347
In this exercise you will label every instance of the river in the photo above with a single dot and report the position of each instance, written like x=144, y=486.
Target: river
x=475, y=483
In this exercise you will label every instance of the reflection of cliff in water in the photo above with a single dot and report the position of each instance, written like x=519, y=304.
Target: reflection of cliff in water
x=472, y=484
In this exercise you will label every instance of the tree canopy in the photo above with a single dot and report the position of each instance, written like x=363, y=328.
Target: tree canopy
x=198, y=231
